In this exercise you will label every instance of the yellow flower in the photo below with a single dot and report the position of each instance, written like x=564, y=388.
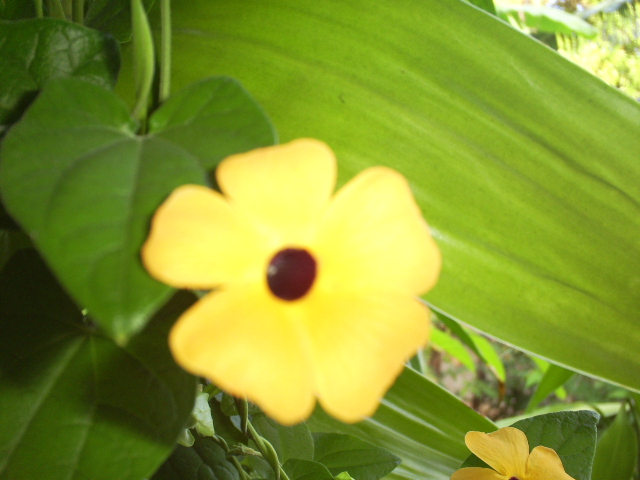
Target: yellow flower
x=312, y=296
x=507, y=452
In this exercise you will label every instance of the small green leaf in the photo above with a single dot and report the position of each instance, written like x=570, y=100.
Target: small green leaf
x=489, y=355
x=554, y=377
x=297, y=469
x=73, y=404
x=33, y=52
x=289, y=442
x=202, y=415
x=205, y=460
x=548, y=19
x=571, y=434
x=186, y=438
x=443, y=341
x=344, y=476
x=617, y=450
x=213, y=118
x=340, y=453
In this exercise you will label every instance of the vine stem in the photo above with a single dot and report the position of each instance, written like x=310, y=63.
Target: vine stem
x=265, y=451
x=39, y=10
x=220, y=441
x=165, y=50
x=78, y=11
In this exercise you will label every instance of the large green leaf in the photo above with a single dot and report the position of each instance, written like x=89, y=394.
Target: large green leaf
x=84, y=186
x=525, y=165
x=73, y=404
x=419, y=422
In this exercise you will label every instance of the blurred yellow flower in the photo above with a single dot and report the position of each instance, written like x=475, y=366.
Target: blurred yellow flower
x=312, y=295
x=507, y=452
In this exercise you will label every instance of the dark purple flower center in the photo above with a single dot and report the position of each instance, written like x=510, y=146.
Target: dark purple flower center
x=513, y=478
x=291, y=273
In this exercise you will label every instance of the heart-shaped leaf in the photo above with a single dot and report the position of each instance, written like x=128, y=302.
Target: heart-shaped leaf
x=84, y=186
x=73, y=404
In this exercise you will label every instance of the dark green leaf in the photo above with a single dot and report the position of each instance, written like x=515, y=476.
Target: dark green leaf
x=418, y=421
x=525, y=165
x=112, y=16
x=212, y=119
x=617, y=450
x=306, y=470
x=33, y=52
x=554, y=377
x=73, y=404
x=346, y=453
x=205, y=460
x=571, y=434
x=289, y=442
x=10, y=242
x=16, y=9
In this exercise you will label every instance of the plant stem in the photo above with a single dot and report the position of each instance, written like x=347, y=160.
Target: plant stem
x=220, y=441
x=78, y=11
x=143, y=61
x=39, y=11
x=267, y=453
x=165, y=50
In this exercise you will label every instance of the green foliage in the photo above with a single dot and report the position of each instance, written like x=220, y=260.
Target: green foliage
x=33, y=52
x=546, y=19
x=289, y=442
x=502, y=141
x=206, y=460
x=617, y=451
x=571, y=434
x=504, y=147
x=71, y=400
x=420, y=422
x=89, y=230
x=554, y=377
x=346, y=453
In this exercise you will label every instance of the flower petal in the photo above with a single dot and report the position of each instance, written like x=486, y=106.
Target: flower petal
x=283, y=188
x=505, y=450
x=247, y=344
x=359, y=344
x=544, y=463
x=374, y=235
x=197, y=241
x=477, y=473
